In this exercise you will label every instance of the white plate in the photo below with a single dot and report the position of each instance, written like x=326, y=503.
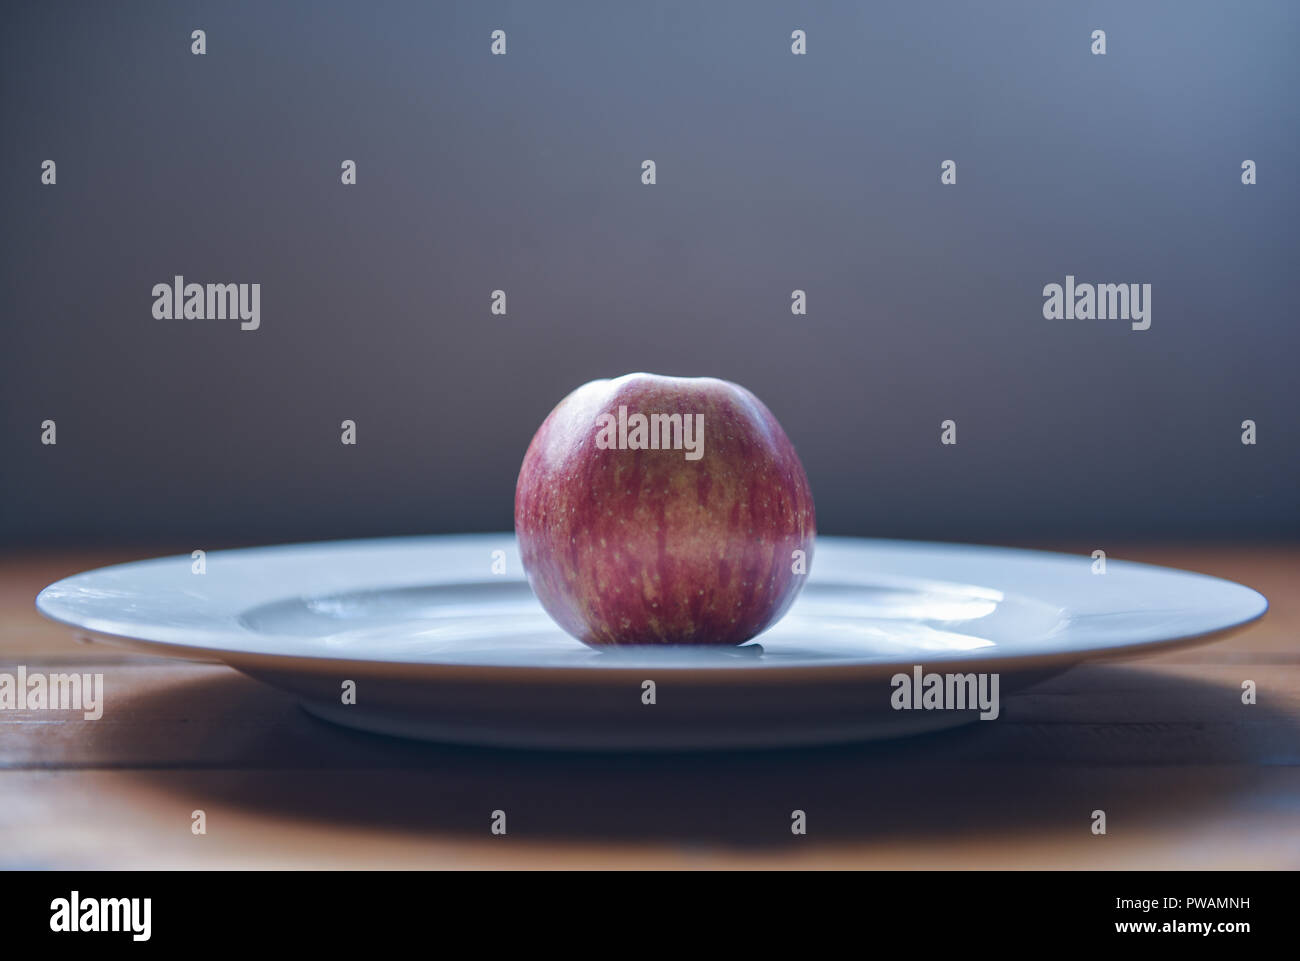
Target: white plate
x=441, y=648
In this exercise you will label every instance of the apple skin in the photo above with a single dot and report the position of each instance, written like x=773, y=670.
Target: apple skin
x=647, y=547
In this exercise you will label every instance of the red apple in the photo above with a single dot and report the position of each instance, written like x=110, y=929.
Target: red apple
x=660, y=530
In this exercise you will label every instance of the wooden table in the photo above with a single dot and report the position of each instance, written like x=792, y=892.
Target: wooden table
x=1189, y=777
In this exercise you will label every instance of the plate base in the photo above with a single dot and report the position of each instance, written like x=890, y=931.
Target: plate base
x=594, y=738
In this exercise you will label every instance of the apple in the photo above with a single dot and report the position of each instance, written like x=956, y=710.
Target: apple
x=663, y=510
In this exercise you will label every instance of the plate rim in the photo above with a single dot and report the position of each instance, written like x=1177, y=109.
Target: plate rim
x=47, y=606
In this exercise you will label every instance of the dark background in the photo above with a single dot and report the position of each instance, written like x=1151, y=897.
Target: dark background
x=522, y=172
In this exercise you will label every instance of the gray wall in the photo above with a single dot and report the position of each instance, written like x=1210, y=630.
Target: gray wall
x=523, y=172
